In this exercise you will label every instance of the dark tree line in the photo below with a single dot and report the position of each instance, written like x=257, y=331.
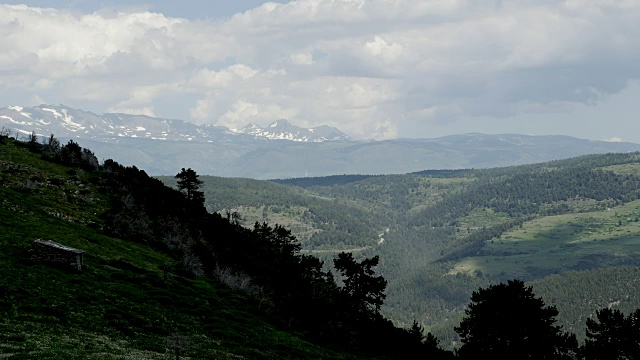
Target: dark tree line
x=507, y=321
x=293, y=288
x=70, y=154
x=612, y=336
x=525, y=193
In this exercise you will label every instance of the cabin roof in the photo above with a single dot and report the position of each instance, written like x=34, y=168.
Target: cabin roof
x=59, y=246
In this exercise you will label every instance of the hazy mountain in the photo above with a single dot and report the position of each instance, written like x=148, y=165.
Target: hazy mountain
x=282, y=150
x=67, y=122
x=283, y=130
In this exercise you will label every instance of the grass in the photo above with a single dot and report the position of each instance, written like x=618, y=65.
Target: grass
x=554, y=244
x=483, y=217
x=288, y=216
x=624, y=169
x=122, y=305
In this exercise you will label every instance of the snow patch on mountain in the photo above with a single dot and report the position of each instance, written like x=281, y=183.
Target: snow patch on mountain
x=53, y=111
x=63, y=121
x=283, y=130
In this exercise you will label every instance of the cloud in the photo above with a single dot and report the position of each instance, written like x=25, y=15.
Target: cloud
x=368, y=67
x=614, y=139
x=134, y=111
x=302, y=58
x=382, y=49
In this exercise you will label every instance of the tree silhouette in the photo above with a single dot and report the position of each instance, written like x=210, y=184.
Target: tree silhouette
x=366, y=291
x=507, y=321
x=71, y=154
x=613, y=336
x=189, y=183
x=51, y=147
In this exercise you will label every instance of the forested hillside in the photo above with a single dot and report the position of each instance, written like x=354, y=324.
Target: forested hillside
x=164, y=278
x=442, y=234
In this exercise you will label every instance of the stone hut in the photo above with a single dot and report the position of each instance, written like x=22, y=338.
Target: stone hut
x=47, y=250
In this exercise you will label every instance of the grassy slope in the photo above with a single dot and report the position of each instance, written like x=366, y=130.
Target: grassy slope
x=121, y=305
x=562, y=242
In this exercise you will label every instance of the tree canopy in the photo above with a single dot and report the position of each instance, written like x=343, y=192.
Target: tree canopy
x=613, y=336
x=189, y=183
x=360, y=283
x=507, y=321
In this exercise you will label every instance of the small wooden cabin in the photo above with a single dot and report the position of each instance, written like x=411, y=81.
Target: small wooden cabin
x=47, y=250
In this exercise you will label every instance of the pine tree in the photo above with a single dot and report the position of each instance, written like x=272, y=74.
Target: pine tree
x=613, y=336
x=507, y=321
x=365, y=290
x=189, y=183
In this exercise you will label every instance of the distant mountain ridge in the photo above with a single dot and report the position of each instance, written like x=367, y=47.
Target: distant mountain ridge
x=283, y=150
x=68, y=122
x=283, y=130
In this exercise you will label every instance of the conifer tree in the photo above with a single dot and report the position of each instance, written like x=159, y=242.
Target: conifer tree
x=366, y=291
x=189, y=183
x=507, y=321
x=613, y=336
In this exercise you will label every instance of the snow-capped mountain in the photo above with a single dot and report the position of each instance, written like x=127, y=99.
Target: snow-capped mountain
x=64, y=121
x=283, y=130
x=281, y=150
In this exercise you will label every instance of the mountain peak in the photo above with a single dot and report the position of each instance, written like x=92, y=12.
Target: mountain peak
x=249, y=127
x=282, y=129
x=64, y=121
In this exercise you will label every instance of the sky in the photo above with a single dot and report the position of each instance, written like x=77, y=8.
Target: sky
x=376, y=69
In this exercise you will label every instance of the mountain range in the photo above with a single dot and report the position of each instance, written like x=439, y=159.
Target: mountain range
x=282, y=150
x=64, y=121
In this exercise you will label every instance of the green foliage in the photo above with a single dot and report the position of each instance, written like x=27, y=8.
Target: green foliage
x=507, y=321
x=442, y=234
x=612, y=336
x=435, y=236
x=51, y=147
x=318, y=222
x=331, y=180
x=136, y=292
x=364, y=289
x=189, y=183
x=579, y=294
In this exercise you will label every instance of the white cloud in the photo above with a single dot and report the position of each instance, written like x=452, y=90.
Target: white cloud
x=242, y=112
x=132, y=110
x=36, y=100
x=44, y=83
x=223, y=78
x=302, y=59
x=380, y=48
x=371, y=68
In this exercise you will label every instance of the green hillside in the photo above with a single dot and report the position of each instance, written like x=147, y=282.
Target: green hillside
x=133, y=298
x=442, y=234
x=162, y=275
x=319, y=222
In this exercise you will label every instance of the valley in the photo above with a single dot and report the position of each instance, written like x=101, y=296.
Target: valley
x=448, y=233
x=569, y=228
